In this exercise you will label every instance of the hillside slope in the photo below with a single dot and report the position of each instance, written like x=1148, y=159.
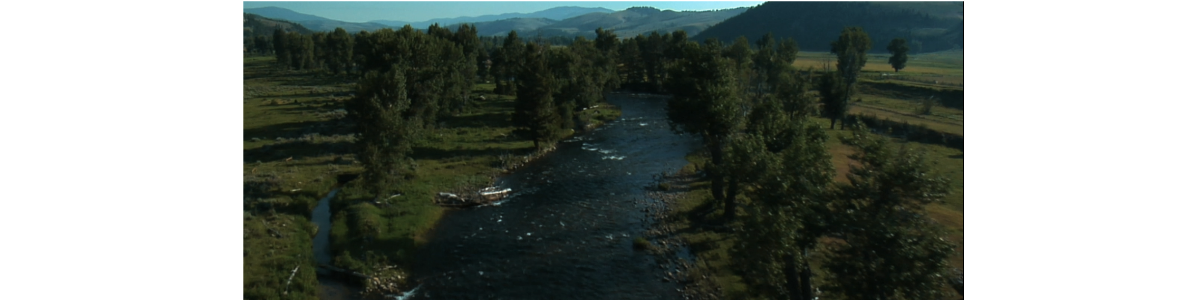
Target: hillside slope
x=929, y=26
x=553, y=14
x=502, y=27
x=314, y=23
x=640, y=20
x=280, y=13
x=256, y=25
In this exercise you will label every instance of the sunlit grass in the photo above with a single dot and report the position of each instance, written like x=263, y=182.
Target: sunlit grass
x=945, y=68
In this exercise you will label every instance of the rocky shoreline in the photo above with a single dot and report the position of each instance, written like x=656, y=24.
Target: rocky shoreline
x=668, y=247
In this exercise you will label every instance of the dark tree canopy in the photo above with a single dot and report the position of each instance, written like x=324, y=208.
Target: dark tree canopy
x=851, y=49
x=707, y=101
x=899, y=49
x=892, y=250
x=506, y=62
x=385, y=136
x=536, y=113
x=834, y=102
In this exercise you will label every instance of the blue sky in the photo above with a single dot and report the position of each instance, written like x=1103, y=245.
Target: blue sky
x=425, y=10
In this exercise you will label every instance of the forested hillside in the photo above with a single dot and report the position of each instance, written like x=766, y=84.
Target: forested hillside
x=928, y=26
x=639, y=20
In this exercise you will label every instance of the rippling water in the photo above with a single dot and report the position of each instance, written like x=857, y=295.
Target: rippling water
x=567, y=233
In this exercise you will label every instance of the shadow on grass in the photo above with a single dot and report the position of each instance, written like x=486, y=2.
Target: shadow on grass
x=440, y=154
x=292, y=129
x=296, y=150
x=485, y=120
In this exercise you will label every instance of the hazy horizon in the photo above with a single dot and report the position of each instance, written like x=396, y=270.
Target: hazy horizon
x=419, y=11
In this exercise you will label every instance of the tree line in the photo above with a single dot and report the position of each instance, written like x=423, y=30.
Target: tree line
x=407, y=79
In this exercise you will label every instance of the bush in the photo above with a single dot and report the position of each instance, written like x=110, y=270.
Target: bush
x=663, y=186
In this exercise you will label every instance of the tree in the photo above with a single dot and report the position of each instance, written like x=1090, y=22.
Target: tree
x=788, y=189
x=851, y=49
x=608, y=47
x=385, y=136
x=631, y=62
x=739, y=52
x=771, y=60
x=535, y=112
x=792, y=94
x=467, y=37
x=899, y=49
x=834, y=103
x=891, y=249
x=339, y=50
x=654, y=60
x=507, y=63
x=282, y=56
x=706, y=101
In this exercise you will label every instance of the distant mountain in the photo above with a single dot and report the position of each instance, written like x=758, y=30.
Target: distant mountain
x=283, y=14
x=312, y=22
x=348, y=26
x=555, y=14
x=639, y=20
x=928, y=26
x=502, y=27
x=256, y=25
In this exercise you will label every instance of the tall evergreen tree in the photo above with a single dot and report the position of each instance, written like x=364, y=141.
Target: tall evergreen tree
x=506, y=63
x=467, y=37
x=385, y=136
x=536, y=113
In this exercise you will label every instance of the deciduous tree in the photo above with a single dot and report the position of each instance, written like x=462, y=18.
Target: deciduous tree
x=706, y=101
x=899, y=49
x=851, y=49
x=891, y=251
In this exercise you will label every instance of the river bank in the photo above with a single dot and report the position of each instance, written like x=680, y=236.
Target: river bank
x=467, y=152
x=296, y=145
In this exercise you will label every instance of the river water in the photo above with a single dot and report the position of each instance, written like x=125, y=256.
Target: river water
x=568, y=231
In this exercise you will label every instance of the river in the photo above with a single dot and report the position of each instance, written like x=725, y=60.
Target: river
x=567, y=232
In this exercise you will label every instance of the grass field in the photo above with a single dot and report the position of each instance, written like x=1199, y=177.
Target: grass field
x=295, y=145
x=278, y=109
x=938, y=69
